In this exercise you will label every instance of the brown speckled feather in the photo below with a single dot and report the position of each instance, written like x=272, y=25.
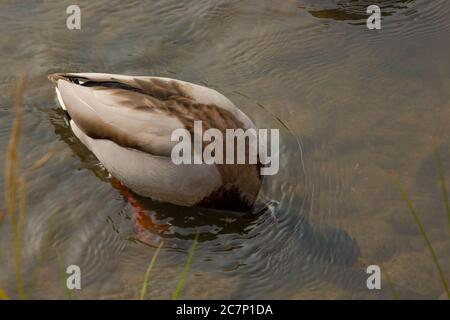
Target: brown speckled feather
x=142, y=112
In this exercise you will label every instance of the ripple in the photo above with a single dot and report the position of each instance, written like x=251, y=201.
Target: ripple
x=309, y=68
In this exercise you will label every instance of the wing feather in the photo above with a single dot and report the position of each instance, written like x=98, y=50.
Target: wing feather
x=126, y=118
x=142, y=112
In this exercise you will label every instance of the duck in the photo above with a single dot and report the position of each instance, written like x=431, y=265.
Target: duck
x=127, y=122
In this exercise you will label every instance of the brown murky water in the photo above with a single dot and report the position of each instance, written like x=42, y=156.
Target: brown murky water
x=360, y=104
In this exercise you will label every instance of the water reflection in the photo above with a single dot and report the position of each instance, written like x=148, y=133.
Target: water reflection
x=354, y=11
x=239, y=244
x=361, y=103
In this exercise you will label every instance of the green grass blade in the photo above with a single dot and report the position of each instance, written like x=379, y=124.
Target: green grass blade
x=187, y=266
x=3, y=295
x=413, y=211
x=391, y=285
x=440, y=169
x=147, y=273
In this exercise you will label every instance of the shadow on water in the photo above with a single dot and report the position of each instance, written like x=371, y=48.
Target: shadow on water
x=354, y=11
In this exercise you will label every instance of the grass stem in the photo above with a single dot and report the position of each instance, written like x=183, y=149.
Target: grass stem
x=187, y=266
x=397, y=183
x=3, y=295
x=12, y=185
x=147, y=273
x=440, y=169
x=391, y=285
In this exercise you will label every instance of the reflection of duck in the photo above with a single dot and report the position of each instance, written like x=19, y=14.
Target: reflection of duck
x=127, y=123
x=355, y=11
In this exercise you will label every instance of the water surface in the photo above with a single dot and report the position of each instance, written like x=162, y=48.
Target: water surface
x=358, y=104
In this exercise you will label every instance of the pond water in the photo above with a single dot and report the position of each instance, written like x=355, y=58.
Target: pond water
x=352, y=105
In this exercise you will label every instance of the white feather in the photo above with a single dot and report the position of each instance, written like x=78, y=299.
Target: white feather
x=153, y=176
x=61, y=102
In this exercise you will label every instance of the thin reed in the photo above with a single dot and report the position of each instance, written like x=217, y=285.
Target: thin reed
x=412, y=210
x=147, y=273
x=440, y=170
x=15, y=187
x=394, y=292
x=187, y=266
x=3, y=295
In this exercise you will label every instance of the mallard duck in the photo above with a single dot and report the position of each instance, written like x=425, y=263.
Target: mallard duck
x=127, y=122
